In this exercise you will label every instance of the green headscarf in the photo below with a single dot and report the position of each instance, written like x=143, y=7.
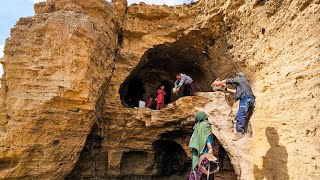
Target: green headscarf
x=202, y=129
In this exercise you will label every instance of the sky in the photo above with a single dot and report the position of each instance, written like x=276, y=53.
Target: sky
x=12, y=10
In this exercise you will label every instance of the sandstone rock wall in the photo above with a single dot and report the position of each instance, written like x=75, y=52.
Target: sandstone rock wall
x=56, y=67
x=279, y=43
x=68, y=68
x=136, y=132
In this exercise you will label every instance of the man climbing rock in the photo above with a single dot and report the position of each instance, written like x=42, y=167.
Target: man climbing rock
x=183, y=79
x=247, y=99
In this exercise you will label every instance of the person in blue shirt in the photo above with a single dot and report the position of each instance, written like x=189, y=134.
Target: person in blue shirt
x=243, y=93
x=209, y=145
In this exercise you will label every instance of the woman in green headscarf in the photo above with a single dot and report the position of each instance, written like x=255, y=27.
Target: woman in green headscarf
x=201, y=142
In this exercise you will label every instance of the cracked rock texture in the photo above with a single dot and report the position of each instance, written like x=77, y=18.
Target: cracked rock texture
x=56, y=68
x=65, y=111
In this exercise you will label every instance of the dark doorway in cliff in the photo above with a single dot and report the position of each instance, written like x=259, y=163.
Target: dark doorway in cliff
x=135, y=92
x=170, y=159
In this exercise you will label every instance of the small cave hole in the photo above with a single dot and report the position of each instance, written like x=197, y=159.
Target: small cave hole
x=170, y=159
x=55, y=142
x=211, y=41
x=135, y=92
x=263, y=30
x=8, y=163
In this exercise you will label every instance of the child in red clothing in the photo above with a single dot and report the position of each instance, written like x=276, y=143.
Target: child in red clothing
x=160, y=98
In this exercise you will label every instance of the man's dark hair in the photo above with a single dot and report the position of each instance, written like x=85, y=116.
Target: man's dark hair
x=241, y=74
x=178, y=74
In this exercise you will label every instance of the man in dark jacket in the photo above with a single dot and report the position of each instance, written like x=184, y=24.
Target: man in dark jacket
x=247, y=99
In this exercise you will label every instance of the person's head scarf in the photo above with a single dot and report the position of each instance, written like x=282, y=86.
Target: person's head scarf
x=200, y=116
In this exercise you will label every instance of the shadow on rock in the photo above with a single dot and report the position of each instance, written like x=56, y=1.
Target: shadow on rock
x=275, y=161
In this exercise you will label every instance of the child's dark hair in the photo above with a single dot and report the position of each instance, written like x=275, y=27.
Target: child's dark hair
x=159, y=87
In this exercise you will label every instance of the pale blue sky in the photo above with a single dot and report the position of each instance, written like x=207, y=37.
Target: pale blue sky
x=12, y=10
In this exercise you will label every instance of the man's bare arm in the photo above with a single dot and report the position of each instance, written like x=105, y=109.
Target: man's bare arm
x=218, y=83
x=231, y=90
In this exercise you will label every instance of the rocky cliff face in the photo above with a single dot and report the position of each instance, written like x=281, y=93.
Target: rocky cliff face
x=279, y=43
x=74, y=72
x=57, y=67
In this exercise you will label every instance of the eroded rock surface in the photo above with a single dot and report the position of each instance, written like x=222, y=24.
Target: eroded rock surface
x=66, y=101
x=56, y=67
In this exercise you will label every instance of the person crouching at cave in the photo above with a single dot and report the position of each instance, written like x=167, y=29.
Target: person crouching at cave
x=160, y=98
x=247, y=100
x=201, y=144
x=150, y=101
x=183, y=79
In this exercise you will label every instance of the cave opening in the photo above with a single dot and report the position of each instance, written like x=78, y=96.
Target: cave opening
x=172, y=157
x=136, y=91
x=160, y=64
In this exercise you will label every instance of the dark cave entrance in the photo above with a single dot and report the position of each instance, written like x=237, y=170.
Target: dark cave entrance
x=173, y=160
x=198, y=54
x=135, y=92
x=170, y=159
x=160, y=64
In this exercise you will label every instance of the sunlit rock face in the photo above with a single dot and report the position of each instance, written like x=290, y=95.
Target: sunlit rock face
x=56, y=68
x=74, y=72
